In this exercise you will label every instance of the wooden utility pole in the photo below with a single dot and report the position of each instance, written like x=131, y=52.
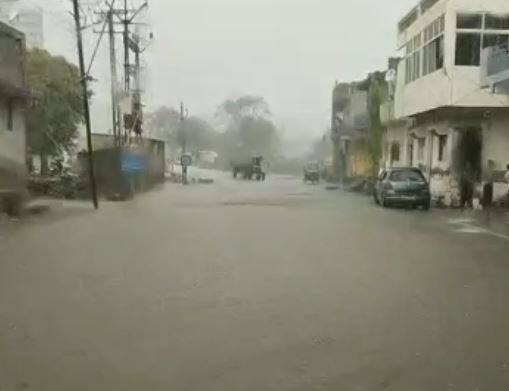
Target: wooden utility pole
x=86, y=107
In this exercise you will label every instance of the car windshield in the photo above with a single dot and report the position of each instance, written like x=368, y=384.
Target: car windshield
x=406, y=175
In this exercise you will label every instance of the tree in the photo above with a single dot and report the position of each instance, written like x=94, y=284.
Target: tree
x=164, y=123
x=376, y=96
x=245, y=106
x=197, y=134
x=56, y=107
x=249, y=129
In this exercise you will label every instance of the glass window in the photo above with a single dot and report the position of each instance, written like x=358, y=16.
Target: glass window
x=469, y=21
x=433, y=55
x=417, y=65
x=468, y=49
x=496, y=40
x=497, y=22
x=408, y=70
x=406, y=175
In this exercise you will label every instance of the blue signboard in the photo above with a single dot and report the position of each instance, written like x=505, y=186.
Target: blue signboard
x=133, y=164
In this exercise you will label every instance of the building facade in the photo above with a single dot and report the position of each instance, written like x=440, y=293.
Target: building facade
x=350, y=125
x=13, y=96
x=439, y=117
x=25, y=17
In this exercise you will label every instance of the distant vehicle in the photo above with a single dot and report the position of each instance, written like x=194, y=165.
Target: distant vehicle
x=402, y=186
x=251, y=169
x=312, y=173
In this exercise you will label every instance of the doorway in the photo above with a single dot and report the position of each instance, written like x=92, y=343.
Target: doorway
x=468, y=162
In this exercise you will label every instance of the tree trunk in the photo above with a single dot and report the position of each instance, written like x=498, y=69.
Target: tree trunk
x=44, y=164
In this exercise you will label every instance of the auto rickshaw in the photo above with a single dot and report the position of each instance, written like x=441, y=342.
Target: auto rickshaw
x=312, y=173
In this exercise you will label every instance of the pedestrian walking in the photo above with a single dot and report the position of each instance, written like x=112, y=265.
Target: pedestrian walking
x=488, y=179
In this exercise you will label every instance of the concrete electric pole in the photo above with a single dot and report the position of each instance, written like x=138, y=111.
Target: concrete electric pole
x=86, y=107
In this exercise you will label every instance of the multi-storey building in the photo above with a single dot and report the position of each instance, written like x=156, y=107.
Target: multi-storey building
x=440, y=117
x=25, y=17
x=13, y=96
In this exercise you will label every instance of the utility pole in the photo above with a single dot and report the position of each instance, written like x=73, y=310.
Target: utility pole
x=184, y=159
x=86, y=107
x=125, y=121
x=126, y=48
x=182, y=128
x=113, y=70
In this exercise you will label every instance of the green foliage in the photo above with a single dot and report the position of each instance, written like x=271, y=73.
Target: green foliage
x=56, y=108
x=249, y=130
x=164, y=123
x=376, y=93
x=245, y=106
x=197, y=134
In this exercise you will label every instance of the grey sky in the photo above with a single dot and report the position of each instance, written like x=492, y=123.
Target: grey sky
x=289, y=51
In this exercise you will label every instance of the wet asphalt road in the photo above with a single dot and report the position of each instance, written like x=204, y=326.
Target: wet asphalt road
x=251, y=286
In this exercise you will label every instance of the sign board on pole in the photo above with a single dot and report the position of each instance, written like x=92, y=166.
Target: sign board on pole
x=133, y=164
x=186, y=160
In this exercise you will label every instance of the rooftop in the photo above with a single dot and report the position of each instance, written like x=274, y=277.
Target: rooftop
x=422, y=7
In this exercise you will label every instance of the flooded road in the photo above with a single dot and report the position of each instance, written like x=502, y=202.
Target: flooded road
x=251, y=286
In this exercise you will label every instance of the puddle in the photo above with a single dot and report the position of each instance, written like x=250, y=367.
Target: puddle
x=471, y=230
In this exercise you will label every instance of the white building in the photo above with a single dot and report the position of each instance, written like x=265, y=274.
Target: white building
x=440, y=119
x=25, y=17
x=13, y=95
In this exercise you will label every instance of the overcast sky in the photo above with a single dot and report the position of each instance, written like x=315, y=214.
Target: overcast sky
x=288, y=51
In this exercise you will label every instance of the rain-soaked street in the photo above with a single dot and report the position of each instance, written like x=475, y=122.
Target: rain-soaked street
x=252, y=286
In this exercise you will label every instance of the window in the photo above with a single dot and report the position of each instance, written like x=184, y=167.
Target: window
x=496, y=22
x=413, y=59
x=431, y=40
x=420, y=149
x=497, y=40
x=469, y=21
x=406, y=175
x=442, y=147
x=10, y=115
x=468, y=49
x=476, y=32
x=433, y=51
x=395, y=152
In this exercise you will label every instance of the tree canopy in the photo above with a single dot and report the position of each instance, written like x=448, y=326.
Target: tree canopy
x=56, y=109
x=195, y=132
x=249, y=128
